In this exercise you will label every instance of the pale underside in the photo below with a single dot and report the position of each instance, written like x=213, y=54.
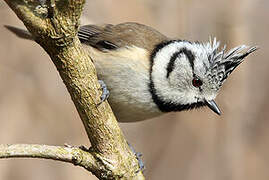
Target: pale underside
x=130, y=100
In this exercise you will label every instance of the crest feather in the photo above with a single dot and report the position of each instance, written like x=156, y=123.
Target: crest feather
x=223, y=63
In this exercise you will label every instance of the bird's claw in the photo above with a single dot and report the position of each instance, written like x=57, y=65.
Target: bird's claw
x=105, y=92
x=138, y=156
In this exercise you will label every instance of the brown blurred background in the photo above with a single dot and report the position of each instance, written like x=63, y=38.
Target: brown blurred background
x=36, y=108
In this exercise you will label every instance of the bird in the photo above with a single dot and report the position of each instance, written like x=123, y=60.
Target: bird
x=149, y=74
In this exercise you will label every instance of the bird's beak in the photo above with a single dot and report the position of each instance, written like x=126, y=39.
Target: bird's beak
x=213, y=106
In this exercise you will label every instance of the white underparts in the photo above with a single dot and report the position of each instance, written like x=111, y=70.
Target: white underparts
x=126, y=74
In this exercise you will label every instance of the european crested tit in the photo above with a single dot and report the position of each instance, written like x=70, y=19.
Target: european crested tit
x=149, y=74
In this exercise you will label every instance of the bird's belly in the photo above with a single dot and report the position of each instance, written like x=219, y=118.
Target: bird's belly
x=127, y=112
x=130, y=97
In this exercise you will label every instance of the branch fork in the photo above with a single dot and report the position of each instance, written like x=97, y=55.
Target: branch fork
x=54, y=25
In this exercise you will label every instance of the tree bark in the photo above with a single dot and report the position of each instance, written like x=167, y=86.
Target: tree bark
x=54, y=25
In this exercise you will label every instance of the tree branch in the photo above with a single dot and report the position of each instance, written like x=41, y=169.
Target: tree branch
x=69, y=154
x=54, y=26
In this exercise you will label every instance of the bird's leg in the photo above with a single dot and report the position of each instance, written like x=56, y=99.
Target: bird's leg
x=105, y=92
x=138, y=156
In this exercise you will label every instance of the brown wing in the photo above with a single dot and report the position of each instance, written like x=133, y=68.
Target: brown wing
x=109, y=37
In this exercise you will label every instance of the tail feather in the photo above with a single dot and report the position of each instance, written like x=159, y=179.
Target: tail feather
x=21, y=33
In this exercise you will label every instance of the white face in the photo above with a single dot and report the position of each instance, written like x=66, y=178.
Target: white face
x=179, y=73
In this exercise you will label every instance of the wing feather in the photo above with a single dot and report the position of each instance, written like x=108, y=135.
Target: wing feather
x=108, y=37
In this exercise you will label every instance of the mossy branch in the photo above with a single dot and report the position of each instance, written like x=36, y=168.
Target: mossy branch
x=54, y=25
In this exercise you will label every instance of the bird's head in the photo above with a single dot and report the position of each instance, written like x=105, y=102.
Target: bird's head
x=185, y=75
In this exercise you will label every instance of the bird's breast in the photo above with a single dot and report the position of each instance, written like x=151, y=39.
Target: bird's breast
x=126, y=74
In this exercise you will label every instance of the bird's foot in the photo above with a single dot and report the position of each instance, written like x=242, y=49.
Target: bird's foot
x=105, y=92
x=138, y=156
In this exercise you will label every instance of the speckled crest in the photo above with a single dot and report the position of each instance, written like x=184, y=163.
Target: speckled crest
x=223, y=63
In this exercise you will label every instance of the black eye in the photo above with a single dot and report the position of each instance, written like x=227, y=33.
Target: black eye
x=196, y=82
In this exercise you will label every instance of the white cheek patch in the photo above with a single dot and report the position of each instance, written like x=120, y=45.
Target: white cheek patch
x=178, y=88
x=164, y=87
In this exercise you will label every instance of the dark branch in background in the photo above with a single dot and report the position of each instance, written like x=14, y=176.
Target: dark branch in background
x=54, y=25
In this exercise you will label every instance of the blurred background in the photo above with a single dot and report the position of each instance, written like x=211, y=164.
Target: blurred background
x=35, y=107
